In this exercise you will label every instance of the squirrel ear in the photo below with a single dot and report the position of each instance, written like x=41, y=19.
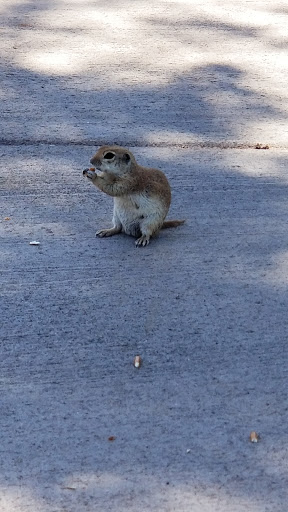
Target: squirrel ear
x=126, y=158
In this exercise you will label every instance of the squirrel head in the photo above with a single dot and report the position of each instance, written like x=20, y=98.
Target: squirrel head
x=114, y=160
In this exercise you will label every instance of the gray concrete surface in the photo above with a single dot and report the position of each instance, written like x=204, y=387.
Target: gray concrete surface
x=205, y=305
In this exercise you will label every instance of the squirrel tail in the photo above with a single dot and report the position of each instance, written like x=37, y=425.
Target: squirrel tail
x=172, y=223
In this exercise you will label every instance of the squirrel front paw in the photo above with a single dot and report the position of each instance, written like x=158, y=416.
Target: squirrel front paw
x=90, y=173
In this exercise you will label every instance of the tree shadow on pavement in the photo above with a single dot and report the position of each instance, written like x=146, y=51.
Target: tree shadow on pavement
x=202, y=306
x=59, y=94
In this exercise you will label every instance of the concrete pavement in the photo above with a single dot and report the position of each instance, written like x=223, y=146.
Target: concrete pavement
x=205, y=305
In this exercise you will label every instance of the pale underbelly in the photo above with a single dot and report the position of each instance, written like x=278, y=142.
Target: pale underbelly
x=133, y=212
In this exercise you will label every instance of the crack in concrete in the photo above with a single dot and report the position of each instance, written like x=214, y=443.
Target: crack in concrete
x=140, y=143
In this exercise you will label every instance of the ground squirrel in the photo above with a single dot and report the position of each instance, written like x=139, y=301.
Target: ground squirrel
x=142, y=196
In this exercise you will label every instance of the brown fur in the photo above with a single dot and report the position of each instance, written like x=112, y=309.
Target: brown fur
x=142, y=196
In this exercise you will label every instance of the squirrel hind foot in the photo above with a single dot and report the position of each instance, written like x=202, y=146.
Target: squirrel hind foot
x=142, y=241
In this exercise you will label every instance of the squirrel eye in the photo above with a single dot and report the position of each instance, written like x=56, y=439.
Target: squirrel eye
x=109, y=155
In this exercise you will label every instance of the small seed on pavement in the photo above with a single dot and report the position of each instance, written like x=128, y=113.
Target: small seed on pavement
x=254, y=437
x=137, y=362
